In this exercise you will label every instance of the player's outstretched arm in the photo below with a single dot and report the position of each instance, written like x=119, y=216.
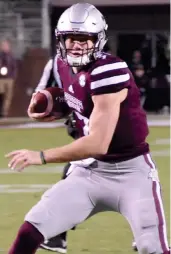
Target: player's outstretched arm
x=103, y=122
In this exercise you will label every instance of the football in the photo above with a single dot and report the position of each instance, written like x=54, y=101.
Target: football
x=51, y=100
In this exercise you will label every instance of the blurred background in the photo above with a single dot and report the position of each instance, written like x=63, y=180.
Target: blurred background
x=139, y=32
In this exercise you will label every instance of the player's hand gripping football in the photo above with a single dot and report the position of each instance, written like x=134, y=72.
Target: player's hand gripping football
x=41, y=117
x=21, y=159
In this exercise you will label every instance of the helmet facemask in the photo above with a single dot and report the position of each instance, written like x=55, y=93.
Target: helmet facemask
x=87, y=56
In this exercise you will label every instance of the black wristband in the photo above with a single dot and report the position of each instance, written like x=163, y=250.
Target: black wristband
x=42, y=157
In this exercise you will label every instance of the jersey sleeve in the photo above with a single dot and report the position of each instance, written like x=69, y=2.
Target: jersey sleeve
x=109, y=77
x=50, y=76
x=44, y=80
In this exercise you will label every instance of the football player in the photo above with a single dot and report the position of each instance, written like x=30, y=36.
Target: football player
x=112, y=166
x=59, y=243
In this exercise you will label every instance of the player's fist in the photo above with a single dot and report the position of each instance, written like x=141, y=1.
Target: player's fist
x=48, y=104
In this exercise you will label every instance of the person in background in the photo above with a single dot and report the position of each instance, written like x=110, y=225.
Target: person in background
x=158, y=93
x=142, y=81
x=162, y=83
x=136, y=60
x=7, y=76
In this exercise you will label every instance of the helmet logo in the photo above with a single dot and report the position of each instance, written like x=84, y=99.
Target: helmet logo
x=82, y=80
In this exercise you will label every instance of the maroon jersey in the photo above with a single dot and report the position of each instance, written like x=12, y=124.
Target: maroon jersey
x=108, y=74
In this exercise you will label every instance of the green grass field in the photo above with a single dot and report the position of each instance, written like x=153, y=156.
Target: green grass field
x=104, y=233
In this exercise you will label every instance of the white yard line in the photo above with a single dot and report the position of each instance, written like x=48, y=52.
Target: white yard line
x=31, y=170
x=161, y=153
x=32, y=125
x=23, y=188
x=162, y=141
x=151, y=122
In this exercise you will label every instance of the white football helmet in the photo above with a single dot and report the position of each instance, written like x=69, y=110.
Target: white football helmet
x=81, y=18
